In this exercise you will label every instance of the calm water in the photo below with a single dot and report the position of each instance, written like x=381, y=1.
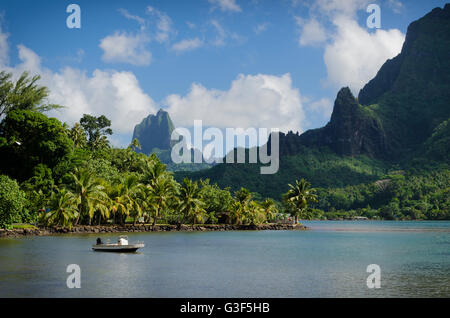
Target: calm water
x=330, y=260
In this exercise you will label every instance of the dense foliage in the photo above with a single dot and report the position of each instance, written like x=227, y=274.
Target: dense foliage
x=12, y=201
x=57, y=175
x=70, y=175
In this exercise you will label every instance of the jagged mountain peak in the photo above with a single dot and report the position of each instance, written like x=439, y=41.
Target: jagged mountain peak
x=154, y=131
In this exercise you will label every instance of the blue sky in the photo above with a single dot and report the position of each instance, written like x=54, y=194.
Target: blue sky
x=231, y=63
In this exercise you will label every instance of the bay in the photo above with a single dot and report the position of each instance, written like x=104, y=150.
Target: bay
x=329, y=260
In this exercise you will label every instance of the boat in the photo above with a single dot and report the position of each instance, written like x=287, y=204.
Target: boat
x=122, y=246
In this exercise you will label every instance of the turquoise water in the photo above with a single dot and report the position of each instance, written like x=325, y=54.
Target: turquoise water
x=330, y=260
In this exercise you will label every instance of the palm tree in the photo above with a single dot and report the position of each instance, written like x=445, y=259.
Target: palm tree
x=78, y=135
x=124, y=197
x=254, y=214
x=159, y=194
x=89, y=193
x=62, y=208
x=153, y=169
x=243, y=196
x=100, y=142
x=240, y=207
x=191, y=205
x=270, y=209
x=237, y=212
x=299, y=196
x=134, y=145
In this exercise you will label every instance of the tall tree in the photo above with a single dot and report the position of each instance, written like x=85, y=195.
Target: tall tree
x=78, y=136
x=96, y=128
x=125, y=198
x=160, y=192
x=24, y=94
x=190, y=203
x=63, y=209
x=299, y=196
x=28, y=138
x=88, y=192
x=270, y=209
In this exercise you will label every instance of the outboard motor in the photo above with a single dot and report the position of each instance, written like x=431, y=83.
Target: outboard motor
x=99, y=241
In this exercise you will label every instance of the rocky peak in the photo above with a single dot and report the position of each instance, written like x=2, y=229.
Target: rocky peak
x=345, y=106
x=154, y=132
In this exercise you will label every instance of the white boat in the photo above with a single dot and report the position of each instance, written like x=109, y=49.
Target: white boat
x=122, y=246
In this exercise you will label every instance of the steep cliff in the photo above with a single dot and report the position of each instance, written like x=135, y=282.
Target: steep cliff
x=154, y=132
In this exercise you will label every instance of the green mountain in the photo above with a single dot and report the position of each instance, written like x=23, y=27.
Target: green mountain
x=154, y=132
x=399, y=121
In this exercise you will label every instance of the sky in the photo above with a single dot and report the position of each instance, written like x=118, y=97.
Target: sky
x=230, y=63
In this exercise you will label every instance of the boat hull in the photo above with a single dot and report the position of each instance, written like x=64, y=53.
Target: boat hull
x=117, y=248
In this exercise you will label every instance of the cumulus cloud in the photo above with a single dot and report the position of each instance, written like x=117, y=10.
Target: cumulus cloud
x=117, y=95
x=355, y=55
x=252, y=101
x=265, y=101
x=126, y=48
x=323, y=106
x=311, y=32
x=187, y=45
x=226, y=5
x=352, y=53
x=132, y=48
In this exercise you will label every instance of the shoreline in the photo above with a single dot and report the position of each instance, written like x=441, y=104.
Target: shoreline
x=129, y=228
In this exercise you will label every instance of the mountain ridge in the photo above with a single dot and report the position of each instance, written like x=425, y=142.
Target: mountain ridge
x=393, y=119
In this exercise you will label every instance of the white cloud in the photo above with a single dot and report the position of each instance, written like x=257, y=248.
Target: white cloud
x=338, y=7
x=190, y=25
x=355, y=55
x=136, y=18
x=221, y=34
x=261, y=27
x=352, y=54
x=226, y=5
x=265, y=101
x=117, y=95
x=311, y=32
x=4, y=48
x=131, y=48
x=163, y=24
x=126, y=48
x=323, y=106
x=395, y=5
x=187, y=45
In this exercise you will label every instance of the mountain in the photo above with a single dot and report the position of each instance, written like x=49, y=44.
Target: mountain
x=154, y=132
x=398, y=109
x=399, y=117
